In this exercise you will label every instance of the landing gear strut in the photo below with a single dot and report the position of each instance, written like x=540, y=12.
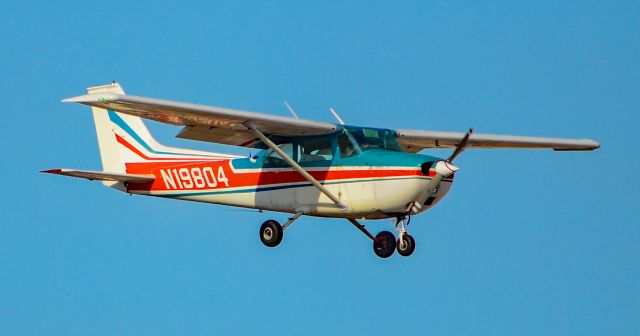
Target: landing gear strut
x=406, y=244
x=271, y=232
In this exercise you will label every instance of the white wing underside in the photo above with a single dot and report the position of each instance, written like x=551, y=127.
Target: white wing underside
x=415, y=140
x=228, y=126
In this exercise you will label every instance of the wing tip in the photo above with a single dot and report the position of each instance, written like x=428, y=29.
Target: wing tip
x=585, y=145
x=590, y=144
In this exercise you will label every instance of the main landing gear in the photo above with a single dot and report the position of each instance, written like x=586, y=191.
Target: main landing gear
x=271, y=232
x=384, y=243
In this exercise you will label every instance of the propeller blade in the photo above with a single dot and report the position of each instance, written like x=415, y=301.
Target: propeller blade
x=443, y=169
x=461, y=146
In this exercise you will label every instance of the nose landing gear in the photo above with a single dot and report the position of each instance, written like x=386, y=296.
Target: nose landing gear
x=406, y=244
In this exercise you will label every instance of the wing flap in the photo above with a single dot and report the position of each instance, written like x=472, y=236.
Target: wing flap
x=205, y=118
x=102, y=176
x=217, y=135
x=415, y=140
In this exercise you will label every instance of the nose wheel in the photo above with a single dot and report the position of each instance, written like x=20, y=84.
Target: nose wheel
x=406, y=246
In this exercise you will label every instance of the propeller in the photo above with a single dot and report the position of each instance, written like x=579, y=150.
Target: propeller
x=461, y=146
x=442, y=169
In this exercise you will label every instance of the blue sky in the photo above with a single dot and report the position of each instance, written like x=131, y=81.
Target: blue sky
x=527, y=242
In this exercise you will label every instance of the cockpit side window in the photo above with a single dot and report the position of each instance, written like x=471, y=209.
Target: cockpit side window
x=346, y=146
x=314, y=150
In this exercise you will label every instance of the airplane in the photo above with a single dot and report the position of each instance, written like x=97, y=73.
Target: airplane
x=303, y=168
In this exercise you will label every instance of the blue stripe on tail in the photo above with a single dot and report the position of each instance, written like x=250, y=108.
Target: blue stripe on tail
x=115, y=118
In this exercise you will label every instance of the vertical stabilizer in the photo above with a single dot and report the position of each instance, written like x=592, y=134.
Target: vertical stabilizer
x=109, y=153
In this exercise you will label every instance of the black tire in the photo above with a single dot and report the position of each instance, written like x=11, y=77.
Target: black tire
x=384, y=244
x=271, y=233
x=407, y=247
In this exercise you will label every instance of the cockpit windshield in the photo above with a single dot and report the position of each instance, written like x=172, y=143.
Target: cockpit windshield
x=373, y=138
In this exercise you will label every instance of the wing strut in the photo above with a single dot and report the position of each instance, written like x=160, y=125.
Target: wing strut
x=296, y=166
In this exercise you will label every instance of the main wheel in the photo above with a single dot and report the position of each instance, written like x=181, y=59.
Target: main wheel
x=271, y=233
x=384, y=244
x=407, y=246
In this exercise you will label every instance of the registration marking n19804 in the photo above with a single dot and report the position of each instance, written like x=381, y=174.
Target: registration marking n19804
x=196, y=177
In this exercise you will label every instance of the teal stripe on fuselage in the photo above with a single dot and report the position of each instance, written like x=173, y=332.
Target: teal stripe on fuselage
x=372, y=157
x=288, y=186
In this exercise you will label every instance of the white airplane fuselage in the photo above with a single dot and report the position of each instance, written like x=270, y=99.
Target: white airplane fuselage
x=369, y=191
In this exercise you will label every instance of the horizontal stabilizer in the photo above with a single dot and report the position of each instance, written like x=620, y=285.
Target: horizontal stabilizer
x=102, y=176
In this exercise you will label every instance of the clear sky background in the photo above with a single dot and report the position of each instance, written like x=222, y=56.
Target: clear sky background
x=526, y=243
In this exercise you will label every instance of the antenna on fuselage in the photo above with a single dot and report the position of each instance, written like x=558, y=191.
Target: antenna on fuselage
x=335, y=114
x=290, y=109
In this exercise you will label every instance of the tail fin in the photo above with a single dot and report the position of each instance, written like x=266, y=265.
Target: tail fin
x=109, y=153
x=124, y=139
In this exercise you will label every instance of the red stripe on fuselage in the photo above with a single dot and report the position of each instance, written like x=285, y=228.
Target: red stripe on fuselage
x=240, y=179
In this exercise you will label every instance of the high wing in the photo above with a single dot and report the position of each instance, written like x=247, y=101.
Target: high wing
x=414, y=141
x=234, y=127
x=206, y=123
